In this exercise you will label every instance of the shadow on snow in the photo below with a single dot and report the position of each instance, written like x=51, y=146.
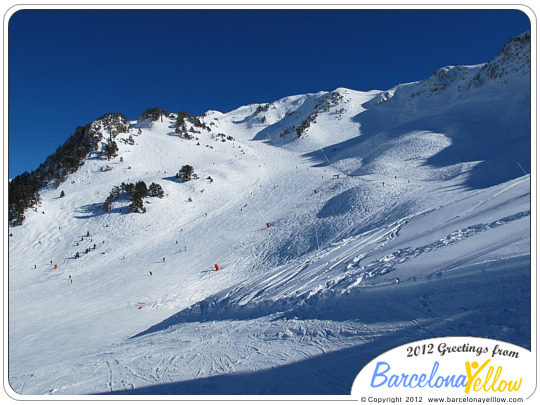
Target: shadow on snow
x=478, y=134
x=436, y=311
x=504, y=284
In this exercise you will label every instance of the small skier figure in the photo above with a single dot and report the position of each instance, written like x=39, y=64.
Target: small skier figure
x=163, y=259
x=150, y=273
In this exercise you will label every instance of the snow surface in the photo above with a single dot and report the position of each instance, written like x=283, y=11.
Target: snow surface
x=425, y=233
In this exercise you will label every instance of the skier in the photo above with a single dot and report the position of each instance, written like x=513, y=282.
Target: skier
x=150, y=273
x=163, y=259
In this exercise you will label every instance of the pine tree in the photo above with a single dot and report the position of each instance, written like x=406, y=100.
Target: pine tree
x=140, y=191
x=155, y=190
x=108, y=203
x=110, y=149
x=136, y=205
x=154, y=114
x=186, y=173
x=128, y=188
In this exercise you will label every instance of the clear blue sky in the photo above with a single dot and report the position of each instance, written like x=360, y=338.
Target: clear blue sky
x=69, y=67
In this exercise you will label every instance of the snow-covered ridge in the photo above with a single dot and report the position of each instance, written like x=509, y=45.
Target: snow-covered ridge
x=342, y=223
x=513, y=59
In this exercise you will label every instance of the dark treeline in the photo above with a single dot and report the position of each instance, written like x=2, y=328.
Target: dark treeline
x=23, y=190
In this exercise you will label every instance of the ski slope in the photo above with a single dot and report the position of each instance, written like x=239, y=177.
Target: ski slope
x=374, y=227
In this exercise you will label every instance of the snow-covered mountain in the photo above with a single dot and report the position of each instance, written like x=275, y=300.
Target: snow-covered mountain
x=343, y=224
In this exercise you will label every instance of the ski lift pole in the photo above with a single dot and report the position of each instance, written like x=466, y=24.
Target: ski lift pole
x=344, y=168
x=267, y=224
x=521, y=168
x=329, y=164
